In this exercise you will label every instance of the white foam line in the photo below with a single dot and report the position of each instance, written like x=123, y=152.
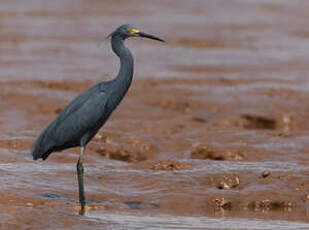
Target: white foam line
x=126, y=221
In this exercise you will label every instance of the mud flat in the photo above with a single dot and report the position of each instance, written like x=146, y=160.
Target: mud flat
x=214, y=131
x=160, y=154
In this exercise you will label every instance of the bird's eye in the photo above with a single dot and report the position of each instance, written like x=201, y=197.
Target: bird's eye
x=133, y=31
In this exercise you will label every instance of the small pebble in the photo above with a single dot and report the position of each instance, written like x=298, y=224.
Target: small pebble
x=265, y=174
x=223, y=203
x=223, y=185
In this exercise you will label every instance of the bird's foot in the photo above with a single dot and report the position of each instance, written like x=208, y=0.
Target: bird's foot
x=82, y=210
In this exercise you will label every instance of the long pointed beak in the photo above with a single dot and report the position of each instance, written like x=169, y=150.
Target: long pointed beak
x=144, y=35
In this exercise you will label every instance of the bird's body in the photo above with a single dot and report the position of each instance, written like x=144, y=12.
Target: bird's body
x=86, y=114
x=77, y=124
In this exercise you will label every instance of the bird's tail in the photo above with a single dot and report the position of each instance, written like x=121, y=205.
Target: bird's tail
x=41, y=148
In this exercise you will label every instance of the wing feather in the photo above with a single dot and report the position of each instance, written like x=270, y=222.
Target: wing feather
x=83, y=113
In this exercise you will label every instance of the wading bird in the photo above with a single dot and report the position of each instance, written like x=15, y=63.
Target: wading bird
x=78, y=123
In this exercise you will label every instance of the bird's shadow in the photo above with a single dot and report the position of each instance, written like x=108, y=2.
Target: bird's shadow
x=130, y=204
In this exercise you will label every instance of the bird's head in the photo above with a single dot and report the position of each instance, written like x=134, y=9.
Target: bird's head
x=126, y=31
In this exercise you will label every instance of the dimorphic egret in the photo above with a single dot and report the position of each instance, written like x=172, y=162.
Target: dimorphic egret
x=78, y=123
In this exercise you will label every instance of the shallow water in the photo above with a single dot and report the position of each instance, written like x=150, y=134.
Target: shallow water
x=212, y=134
x=120, y=221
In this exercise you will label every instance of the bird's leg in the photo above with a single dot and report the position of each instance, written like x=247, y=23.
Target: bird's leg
x=80, y=176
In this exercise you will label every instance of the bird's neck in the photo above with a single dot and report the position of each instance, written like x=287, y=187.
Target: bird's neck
x=126, y=61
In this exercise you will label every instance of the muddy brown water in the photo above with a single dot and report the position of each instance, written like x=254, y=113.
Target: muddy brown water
x=213, y=134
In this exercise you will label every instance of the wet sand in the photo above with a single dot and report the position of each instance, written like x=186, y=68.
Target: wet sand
x=214, y=131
